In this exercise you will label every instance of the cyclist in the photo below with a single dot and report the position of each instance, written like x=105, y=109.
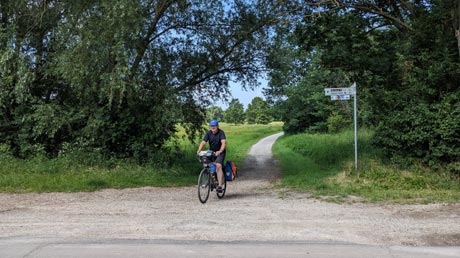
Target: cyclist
x=217, y=143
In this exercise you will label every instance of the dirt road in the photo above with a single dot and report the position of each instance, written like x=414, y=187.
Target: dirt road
x=252, y=210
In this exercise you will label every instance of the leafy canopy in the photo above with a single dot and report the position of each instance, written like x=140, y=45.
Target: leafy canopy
x=116, y=75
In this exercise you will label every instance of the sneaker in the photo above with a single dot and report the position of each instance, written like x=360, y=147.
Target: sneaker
x=219, y=189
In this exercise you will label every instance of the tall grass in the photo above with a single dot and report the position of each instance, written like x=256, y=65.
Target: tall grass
x=176, y=165
x=323, y=164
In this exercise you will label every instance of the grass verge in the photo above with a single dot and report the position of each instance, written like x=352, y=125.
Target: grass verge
x=88, y=172
x=323, y=165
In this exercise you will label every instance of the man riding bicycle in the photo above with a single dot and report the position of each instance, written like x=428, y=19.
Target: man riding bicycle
x=217, y=143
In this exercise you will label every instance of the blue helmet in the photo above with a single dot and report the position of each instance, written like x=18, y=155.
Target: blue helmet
x=214, y=123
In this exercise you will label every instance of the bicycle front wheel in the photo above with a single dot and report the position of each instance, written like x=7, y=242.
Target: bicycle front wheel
x=204, y=186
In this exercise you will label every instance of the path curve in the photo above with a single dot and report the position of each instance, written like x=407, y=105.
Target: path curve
x=259, y=164
x=262, y=150
x=252, y=210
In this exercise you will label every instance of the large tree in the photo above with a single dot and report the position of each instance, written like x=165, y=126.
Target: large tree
x=215, y=113
x=119, y=75
x=235, y=112
x=258, y=112
x=404, y=56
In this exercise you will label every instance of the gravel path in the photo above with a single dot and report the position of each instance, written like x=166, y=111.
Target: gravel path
x=251, y=210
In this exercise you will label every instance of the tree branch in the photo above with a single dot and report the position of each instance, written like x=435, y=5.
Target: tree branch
x=161, y=10
x=399, y=23
x=195, y=79
x=207, y=77
x=365, y=6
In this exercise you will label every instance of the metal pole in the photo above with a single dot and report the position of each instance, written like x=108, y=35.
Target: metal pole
x=355, y=116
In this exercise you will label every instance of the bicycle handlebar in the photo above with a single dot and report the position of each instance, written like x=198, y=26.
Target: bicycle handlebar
x=205, y=152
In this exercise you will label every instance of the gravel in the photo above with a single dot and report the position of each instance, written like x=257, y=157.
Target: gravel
x=251, y=210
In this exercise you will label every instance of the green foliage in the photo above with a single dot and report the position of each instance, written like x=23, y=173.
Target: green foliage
x=337, y=122
x=407, y=70
x=445, y=145
x=263, y=118
x=408, y=130
x=323, y=165
x=215, y=113
x=119, y=75
x=426, y=123
x=235, y=112
x=306, y=108
x=258, y=112
x=432, y=135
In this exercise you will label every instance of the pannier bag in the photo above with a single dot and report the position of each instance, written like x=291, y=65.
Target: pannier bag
x=230, y=171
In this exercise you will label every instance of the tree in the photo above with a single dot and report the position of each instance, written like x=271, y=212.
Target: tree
x=118, y=76
x=215, y=113
x=403, y=56
x=235, y=112
x=258, y=112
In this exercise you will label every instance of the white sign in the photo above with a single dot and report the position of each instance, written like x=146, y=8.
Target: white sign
x=340, y=97
x=340, y=91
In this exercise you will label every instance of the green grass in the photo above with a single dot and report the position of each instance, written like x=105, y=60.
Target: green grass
x=323, y=165
x=89, y=172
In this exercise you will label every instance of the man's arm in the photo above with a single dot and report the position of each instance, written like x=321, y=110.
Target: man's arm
x=203, y=142
x=200, y=147
x=222, y=147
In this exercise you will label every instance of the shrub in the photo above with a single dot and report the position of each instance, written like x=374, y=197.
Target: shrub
x=417, y=131
x=336, y=123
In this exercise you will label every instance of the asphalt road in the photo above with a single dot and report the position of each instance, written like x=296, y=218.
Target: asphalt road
x=33, y=248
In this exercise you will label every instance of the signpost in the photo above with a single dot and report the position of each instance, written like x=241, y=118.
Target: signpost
x=340, y=97
x=340, y=91
x=344, y=94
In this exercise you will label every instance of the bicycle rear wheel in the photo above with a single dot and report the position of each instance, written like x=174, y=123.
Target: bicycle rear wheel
x=204, y=185
x=224, y=188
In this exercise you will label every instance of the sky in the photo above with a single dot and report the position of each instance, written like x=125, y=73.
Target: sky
x=244, y=96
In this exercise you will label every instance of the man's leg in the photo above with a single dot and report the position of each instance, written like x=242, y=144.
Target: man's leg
x=220, y=173
x=219, y=164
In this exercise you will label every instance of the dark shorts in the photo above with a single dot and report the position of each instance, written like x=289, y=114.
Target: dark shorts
x=220, y=159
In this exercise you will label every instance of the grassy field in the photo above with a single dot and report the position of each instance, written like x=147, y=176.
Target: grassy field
x=323, y=165
x=87, y=172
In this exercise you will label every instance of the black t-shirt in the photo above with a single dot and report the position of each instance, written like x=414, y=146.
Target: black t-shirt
x=214, y=139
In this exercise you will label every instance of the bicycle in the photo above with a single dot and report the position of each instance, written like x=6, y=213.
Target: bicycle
x=207, y=180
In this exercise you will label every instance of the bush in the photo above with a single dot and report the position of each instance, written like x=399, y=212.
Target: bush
x=454, y=168
x=336, y=123
x=418, y=132
x=445, y=140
